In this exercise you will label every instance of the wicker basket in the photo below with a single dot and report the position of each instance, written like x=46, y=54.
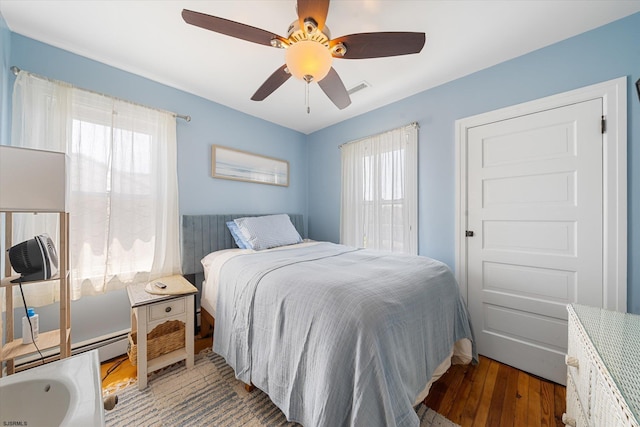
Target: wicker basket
x=163, y=339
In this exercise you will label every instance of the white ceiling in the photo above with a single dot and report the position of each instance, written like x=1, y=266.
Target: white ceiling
x=149, y=38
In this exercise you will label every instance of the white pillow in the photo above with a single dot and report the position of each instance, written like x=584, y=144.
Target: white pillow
x=270, y=231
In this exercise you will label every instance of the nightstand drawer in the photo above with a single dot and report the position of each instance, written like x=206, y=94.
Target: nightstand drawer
x=167, y=309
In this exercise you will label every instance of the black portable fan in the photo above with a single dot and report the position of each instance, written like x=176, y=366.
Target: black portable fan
x=35, y=259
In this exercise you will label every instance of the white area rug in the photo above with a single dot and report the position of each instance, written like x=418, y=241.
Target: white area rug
x=208, y=395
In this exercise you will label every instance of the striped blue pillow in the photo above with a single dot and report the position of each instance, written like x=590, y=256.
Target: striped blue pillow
x=237, y=236
x=270, y=231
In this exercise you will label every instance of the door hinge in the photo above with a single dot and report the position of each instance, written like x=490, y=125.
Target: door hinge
x=603, y=125
x=468, y=233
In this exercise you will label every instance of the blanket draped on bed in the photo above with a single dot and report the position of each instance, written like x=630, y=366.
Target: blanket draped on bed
x=335, y=335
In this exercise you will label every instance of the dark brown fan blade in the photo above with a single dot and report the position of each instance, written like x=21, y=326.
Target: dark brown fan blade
x=334, y=88
x=378, y=45
x=316, y=9
x=229, y=28
x=274, y=81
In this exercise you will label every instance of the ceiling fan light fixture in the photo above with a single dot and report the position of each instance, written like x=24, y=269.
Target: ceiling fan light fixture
x=308, y=58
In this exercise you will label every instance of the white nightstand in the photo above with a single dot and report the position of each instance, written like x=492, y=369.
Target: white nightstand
x=150, y=310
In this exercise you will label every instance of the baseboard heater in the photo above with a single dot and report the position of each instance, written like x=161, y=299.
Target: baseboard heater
x=108, y=346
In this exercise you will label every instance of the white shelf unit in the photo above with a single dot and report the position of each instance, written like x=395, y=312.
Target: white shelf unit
x=61, y=337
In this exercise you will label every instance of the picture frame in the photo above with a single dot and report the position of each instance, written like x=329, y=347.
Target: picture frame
x=238, y=165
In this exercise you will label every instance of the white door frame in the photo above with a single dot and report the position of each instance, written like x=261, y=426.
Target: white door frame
x=614, y=97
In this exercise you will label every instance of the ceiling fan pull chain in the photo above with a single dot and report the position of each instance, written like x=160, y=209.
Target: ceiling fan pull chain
x=307, y=98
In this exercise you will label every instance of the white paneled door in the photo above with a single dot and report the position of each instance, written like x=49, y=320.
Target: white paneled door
x=535, y=208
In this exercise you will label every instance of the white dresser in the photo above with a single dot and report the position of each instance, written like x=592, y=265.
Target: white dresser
x=603, y=368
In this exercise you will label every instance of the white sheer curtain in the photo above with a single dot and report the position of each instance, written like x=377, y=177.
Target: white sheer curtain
x=379, y=206
x=123, y=199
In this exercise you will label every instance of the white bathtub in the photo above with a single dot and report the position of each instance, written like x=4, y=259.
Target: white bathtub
x=67, y=392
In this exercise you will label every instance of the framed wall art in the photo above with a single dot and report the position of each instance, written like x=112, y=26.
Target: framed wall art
x=238, y=165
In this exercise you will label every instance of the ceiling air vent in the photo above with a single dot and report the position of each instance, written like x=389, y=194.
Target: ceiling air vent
x=359, y=87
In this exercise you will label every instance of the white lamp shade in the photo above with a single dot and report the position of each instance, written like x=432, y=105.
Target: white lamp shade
x=308, y=57
x=32, y=180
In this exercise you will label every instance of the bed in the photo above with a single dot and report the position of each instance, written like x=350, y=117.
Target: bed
x=334, y=335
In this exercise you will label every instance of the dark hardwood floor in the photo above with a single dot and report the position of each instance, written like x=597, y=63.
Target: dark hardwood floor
x=495, y=395
x=489, y=394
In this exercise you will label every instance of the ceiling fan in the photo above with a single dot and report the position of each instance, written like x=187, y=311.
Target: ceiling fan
x=310, y=49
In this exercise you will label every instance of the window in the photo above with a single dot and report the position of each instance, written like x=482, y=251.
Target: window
x=122, y=180
x=379, y=191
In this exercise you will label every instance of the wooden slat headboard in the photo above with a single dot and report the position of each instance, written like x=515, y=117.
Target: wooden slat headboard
x=203, y=234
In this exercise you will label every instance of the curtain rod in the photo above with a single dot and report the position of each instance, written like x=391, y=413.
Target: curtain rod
x=414, y=124
x=15, y=70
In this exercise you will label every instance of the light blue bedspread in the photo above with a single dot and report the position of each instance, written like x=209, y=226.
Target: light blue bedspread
x=338, y=336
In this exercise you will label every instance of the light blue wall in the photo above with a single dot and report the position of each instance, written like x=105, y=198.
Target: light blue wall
x=211, y=123
x=602, y=54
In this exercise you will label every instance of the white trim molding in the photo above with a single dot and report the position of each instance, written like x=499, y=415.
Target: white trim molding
x=614, y=106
